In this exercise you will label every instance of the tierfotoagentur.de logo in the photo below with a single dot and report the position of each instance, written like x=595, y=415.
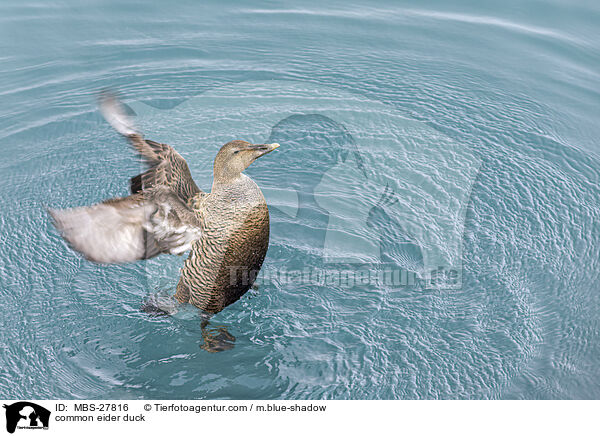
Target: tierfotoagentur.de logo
x=26, y=415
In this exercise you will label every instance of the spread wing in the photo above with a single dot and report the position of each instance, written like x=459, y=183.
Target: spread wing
x=140, y=226
x=167, y=167
x=155, y=219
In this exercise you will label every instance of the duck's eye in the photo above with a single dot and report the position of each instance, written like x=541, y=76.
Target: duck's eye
x=236, y=151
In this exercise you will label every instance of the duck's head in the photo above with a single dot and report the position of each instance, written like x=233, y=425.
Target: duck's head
x=235, y=156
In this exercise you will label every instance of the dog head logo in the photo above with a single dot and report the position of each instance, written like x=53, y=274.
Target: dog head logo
x=26, y=415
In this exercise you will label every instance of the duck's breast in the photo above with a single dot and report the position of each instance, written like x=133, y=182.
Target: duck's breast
x=235, y=237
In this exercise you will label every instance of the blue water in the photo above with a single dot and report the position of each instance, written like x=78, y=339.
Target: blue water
x=444, y=134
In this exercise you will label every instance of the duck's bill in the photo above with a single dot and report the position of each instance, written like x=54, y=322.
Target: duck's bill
x=265, y=148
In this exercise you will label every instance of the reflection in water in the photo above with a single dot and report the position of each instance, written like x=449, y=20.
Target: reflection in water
x=216, y=338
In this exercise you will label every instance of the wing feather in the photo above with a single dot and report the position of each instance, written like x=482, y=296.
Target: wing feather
x=127, y=229
x=167, y=167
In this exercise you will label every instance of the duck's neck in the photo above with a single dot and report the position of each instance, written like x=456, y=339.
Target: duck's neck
x=224, y=178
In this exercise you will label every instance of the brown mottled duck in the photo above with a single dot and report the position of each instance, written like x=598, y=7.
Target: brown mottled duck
x=226, y=230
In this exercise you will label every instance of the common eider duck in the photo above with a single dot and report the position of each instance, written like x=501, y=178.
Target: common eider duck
x=226, y=230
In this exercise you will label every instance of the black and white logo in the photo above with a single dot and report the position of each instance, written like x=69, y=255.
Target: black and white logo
x=26, y=415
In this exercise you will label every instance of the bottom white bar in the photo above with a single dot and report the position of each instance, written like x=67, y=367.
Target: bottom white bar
x=158, y=417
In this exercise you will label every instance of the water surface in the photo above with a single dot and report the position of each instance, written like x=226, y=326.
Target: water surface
x=480, y=119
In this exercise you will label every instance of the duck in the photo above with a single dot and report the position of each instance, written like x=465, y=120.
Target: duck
x=225, y=231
